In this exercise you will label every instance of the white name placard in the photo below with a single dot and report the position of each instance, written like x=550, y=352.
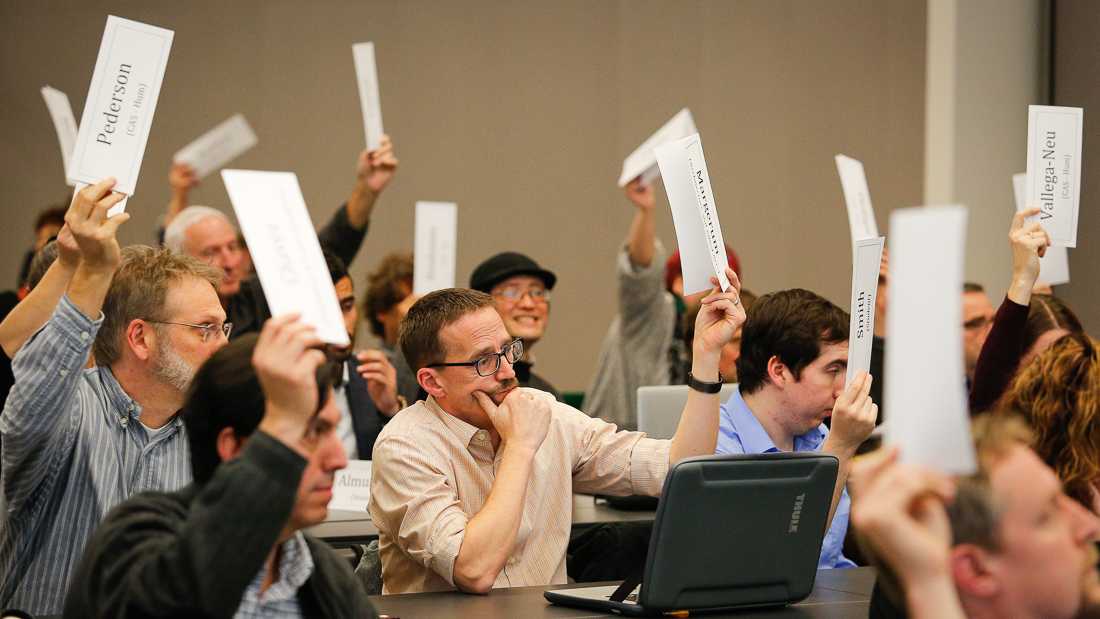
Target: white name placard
x=643, y=162
x=924, y=391
x=1054, y=169
x=434, y=246
x=1054, y=264
x=366, y=72
x=285, y=250
x=861, y=215
x=866, y=258
x=122, y=98
x=61, y=112
x=698, y=231
x=217, y=147
x=351, y=487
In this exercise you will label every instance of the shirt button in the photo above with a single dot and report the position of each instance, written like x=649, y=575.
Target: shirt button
x=84, y=336
x=64, y=373
x=482, y=435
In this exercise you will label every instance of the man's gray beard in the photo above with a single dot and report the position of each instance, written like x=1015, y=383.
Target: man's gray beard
x=173, y=369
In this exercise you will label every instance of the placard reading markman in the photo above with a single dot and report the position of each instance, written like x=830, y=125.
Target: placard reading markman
x=366, y=72
x=434, y=246
x=1054, y=169
x=698, y=231
x=122, y=98
x=219, y=146
x=61, y=112
x=927, y=414
x=285, y=250
x=866, y=258
x=861, y=215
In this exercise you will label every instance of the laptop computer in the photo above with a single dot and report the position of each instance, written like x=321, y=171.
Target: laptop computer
x=660, y=407
x=731, y=531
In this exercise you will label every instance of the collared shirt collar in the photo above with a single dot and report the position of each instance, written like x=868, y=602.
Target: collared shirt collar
x=755, y=439
x=461, y=429
x=128, y=409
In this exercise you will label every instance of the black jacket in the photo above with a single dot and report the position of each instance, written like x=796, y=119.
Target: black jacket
x=192, y=553
x=366, y=421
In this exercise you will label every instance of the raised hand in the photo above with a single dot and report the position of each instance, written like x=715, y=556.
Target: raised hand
x=720, y=316
x=93, y=232
x=68, y=252
x=376, y=168
x=642, y=196
x=182, y=177
x=381, y=379
x=854, y=415
x=286, y=359
x=1029, y=242
x=522, y=419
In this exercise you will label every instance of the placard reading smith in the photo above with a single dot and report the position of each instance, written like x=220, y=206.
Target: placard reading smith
x=118, y=112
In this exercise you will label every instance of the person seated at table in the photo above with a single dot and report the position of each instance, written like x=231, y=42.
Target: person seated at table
x=472, y=487
x=794, y=357
x=1004, y=542
x=261, y=423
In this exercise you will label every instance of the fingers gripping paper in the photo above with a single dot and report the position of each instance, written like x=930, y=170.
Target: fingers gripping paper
x=1054, y=264
x=285, y=250
x=925, y=392
x=698, y=231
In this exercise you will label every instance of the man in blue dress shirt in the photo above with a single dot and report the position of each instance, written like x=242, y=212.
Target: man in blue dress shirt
x=794, y=358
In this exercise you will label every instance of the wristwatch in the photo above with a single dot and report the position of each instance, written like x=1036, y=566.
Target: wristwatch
x=704, y=387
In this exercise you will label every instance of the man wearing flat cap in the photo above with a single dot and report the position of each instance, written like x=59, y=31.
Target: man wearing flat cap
x=521, y=292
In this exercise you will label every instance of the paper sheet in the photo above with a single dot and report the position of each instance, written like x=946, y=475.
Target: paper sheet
x=861, y=214
x=1054, y=169
x=925, y=391
x=122, y=98
x=61, y=112
x=366, y=72
x=285, y=249
x=698, y=231
x=866, y=258
x=1054, y=265
x=217, y=147
x=351, y=487
x=643, y=162
x=435, y=245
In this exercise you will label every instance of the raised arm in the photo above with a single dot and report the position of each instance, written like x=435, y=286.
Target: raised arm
x=33, y=311
x=344, y=233
x=642, y=236
x=854, y=415
x=182, y=179
x=719, y=318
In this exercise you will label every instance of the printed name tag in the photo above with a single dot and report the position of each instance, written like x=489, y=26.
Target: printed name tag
x=643, y=162
x=351, y=487
x=218, y=146
x=1054, y=264
x=861, y=215
x=434, y=246
x=121, y=101
x=866, y=258
x=1054, y=169
x=61, y=112
x=366, y=72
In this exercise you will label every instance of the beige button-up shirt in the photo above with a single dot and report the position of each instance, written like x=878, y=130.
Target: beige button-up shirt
x=433, y=472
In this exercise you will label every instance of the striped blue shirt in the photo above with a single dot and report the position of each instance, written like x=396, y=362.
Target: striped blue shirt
x=73, y=447
x=281, y=598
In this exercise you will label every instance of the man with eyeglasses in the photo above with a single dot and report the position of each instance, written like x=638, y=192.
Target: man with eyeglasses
x=977, y=320
x=77, y=441
x=472, y=487
x=521, y=292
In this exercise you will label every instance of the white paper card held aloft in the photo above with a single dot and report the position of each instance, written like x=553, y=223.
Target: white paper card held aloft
x=861, y=215
x=122, y=98
x=351, y=487
x=925, y=391
x=1054, y=264
x=217, y=147
x=61, y=111
x=285, y=250
x=434, y=246
x=698, y=231
x=643, y=162
x=1054, y=169
x=366, y=72
x=866, y=258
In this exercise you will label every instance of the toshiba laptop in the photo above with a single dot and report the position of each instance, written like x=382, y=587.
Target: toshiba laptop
x=730, y=532
x=660, y=407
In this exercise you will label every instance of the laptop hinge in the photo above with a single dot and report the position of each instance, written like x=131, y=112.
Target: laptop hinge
x=632, y=580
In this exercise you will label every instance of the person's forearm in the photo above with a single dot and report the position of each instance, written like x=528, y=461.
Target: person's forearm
x=177, y=203
x=641, y=238
x=697, y=432
x=32, y=312
x=934, y=599
x=360, y=205
x=490, y=536
x=845, y=455
x=88, y=289
x=1019, y=291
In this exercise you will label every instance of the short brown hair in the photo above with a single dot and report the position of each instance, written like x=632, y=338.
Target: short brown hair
x=384, y=288
x=419, y=338
x=139, y=289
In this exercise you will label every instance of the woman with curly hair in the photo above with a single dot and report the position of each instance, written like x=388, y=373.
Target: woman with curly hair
x=1059, y=395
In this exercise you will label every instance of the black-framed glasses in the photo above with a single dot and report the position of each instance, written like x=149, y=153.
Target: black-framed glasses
x=208, y=330
x=489, y=364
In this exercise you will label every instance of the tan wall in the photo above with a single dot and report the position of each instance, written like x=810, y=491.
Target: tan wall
x=522, y=113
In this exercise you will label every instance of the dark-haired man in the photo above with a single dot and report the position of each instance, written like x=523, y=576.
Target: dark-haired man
x=794, y=357
x=521, y=291
x=261, y=424
x=472, y=487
